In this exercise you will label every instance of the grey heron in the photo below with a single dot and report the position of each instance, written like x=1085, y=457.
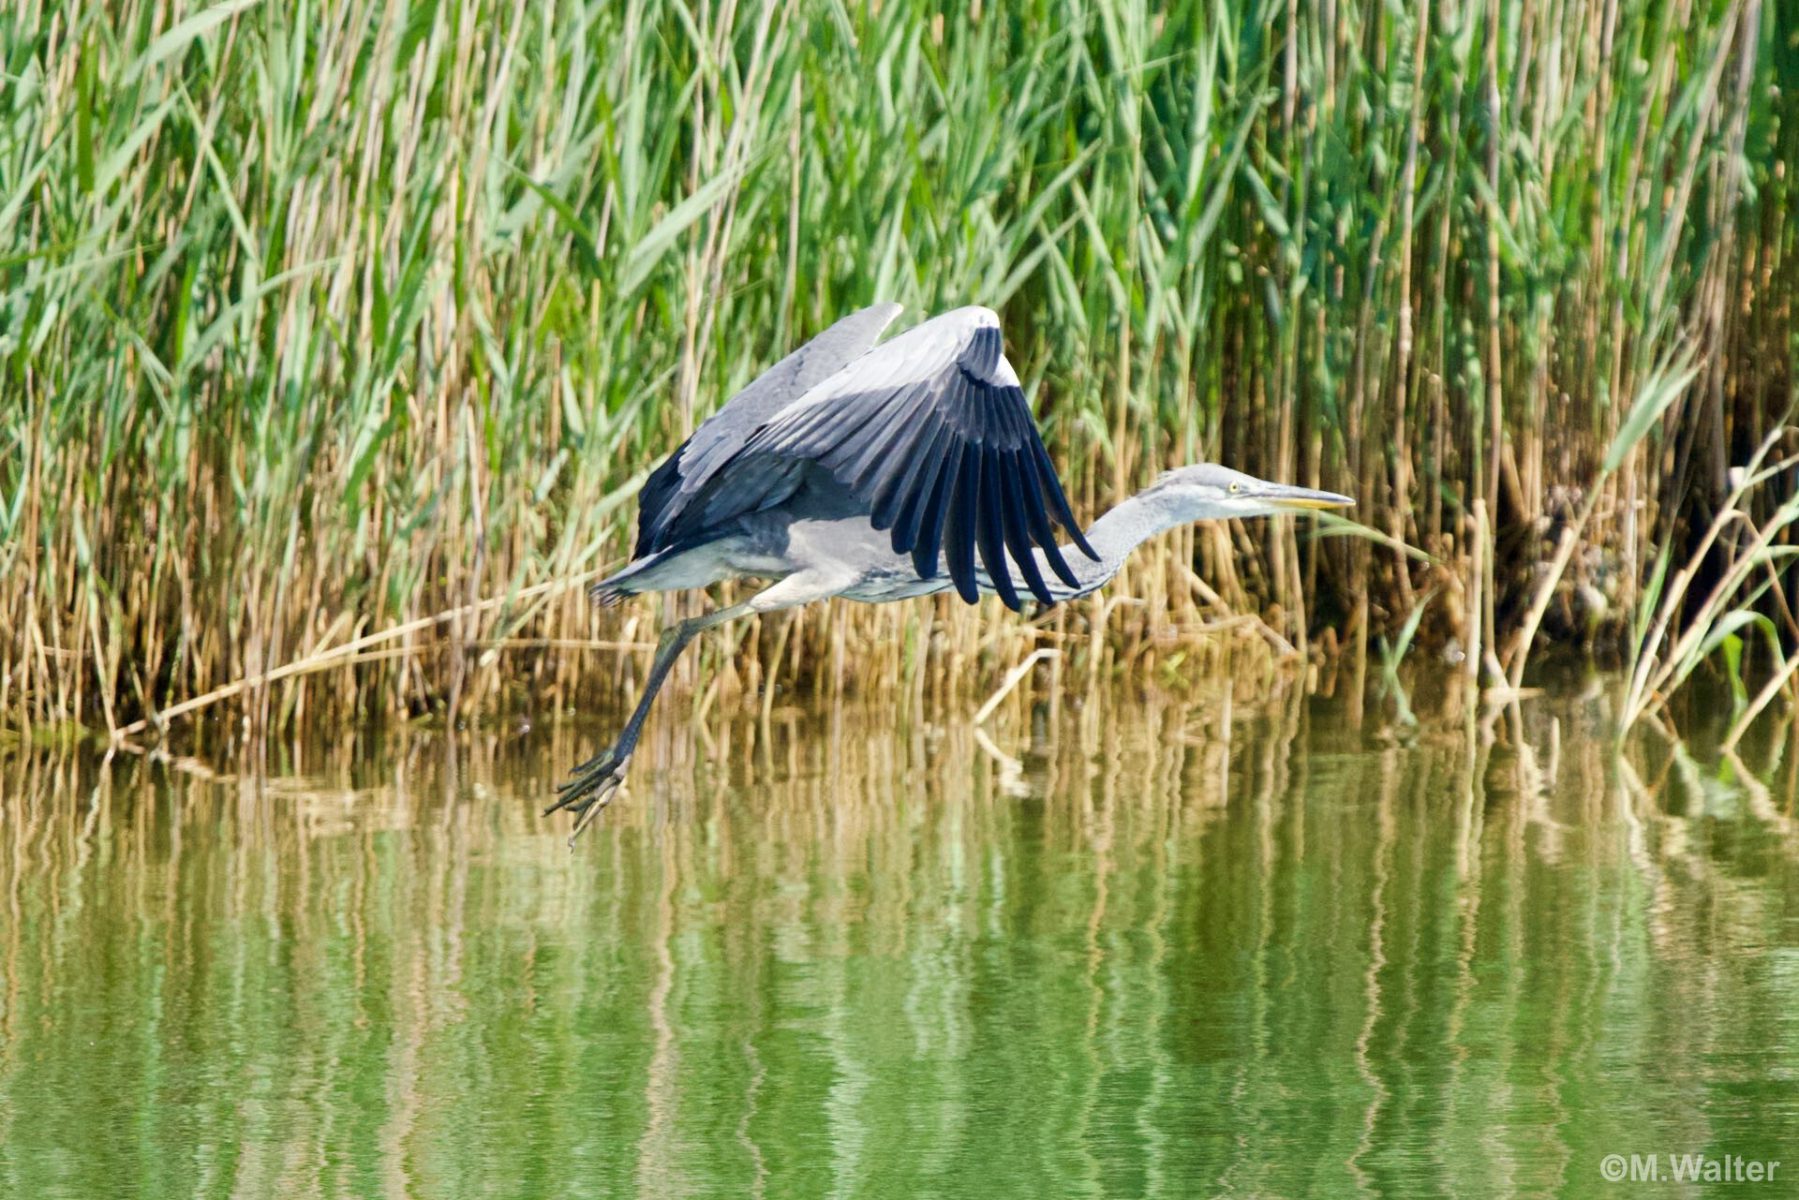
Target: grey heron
x=854, y=469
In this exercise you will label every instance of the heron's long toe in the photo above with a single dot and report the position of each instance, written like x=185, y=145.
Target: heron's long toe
x=590, y=789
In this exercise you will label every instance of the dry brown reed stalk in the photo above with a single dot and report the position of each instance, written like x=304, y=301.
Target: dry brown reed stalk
x=1666, y=654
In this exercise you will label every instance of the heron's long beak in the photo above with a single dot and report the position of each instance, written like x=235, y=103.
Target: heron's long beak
x=1299, y=499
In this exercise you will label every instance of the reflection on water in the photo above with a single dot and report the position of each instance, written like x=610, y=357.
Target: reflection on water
x=1174, y=950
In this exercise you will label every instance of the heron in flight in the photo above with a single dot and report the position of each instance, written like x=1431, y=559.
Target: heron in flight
x=877, y=473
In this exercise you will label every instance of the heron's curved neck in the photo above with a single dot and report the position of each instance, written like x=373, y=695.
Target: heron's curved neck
x=1116, y=534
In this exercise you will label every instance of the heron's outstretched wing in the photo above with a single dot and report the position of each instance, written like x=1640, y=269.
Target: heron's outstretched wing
x=673, y=484
x=932, y=431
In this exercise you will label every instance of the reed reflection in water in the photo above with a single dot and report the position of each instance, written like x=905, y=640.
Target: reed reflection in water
x=1176, y=950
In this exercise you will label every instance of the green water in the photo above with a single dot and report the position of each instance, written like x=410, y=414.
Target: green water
x=1171, y=950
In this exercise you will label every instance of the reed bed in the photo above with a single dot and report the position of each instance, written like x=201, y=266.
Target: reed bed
x=324, y=321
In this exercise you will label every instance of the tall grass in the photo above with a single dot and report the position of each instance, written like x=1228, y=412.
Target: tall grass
x=325, y=319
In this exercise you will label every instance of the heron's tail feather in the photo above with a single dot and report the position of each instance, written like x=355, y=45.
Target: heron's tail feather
x=611, y=592
x=633, y=578
x=667, y=570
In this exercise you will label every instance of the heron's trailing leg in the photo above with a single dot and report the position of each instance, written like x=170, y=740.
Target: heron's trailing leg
x=592, y=785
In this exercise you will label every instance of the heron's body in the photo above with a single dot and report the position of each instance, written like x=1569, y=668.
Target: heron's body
x=822, y=532
x=880, y=473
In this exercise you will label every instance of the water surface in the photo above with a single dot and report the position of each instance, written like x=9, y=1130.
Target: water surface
x=1135, y=947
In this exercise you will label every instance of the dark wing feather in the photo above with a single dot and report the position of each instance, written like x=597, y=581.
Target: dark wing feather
x=959, y=528
x=932, y=431
x=1018, y=535
x=936, y=506
x=1031, y=469
x=658, y=501
x=991, y=534
x=670, y=489
x=897, y=497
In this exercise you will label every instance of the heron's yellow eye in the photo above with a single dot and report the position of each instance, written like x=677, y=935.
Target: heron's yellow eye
x=1235, y=488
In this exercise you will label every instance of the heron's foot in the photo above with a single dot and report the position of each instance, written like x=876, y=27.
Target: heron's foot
x=590, y=789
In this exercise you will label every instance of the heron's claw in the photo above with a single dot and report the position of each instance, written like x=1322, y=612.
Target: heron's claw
x=590, y=789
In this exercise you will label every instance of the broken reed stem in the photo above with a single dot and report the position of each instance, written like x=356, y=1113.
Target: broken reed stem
x=347, y=653
x=1012, y=680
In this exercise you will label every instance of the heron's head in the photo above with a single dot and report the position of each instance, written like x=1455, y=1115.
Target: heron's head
x=1206, y=492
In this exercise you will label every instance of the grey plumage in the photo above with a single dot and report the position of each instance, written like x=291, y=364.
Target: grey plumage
x=930, y=431
x=667, y=491
x=872, y=472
